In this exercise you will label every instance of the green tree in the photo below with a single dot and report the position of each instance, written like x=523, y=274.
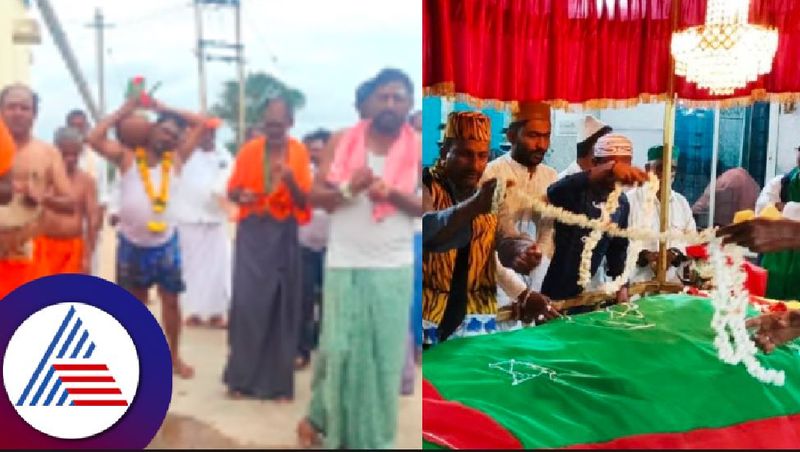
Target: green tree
x=258, y=87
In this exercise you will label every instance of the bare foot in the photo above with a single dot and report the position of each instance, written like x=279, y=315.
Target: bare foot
x=307, y=435
x=300, y=363
x=182, y=369
x=235, y=395
x=218, y=322
x=193, y=322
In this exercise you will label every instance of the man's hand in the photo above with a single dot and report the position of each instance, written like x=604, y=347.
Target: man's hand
x=622, y=295
x=378, y=192
x=243, y=196
x=481, y=201
x=361, y=180
x=774, y=329
x=527, y=259
x=608, y=173
x=763, y=235
x=646, y=258
x=534, y=307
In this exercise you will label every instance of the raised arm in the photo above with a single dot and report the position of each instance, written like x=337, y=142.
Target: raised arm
x=97, y=138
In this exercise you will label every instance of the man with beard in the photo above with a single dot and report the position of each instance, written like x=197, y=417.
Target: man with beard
x=148, y=251
x=34, y=173
x=529, y=135
x=460, y=274
x=368, y=180
x=585, y=193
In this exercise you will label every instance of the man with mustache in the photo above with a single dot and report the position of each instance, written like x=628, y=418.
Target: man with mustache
x=368, y=180
x=30, y=170
x=460, y=273
x=529, y=134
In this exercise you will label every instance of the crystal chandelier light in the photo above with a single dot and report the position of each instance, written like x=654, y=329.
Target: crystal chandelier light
x=726, y=52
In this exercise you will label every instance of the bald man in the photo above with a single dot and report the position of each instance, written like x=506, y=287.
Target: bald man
x=67, y=241
x=37, y=176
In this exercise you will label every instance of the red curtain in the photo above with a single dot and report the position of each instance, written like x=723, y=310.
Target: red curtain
x=578, y=52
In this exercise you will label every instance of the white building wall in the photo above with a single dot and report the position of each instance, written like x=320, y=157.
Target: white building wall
x=15, y=59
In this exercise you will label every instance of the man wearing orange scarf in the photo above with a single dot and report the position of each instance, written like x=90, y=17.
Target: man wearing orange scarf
x=270, y=182
x=32, y=177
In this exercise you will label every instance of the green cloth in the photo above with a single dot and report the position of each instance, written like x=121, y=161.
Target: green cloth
x=783, y=267
x=657, y=153
x=611, y=382
x=356, y=383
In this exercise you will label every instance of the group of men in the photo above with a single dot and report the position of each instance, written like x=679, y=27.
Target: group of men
x=343, y=205
x=475, y=257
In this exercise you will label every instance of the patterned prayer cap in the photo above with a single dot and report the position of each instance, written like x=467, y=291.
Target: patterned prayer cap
x=468, y=125
x=613, y=144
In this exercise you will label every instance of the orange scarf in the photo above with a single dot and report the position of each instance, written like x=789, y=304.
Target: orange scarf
x=248, y=173
x=7, y=149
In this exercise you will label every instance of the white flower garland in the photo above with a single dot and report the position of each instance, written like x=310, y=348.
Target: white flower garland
x=730, y=298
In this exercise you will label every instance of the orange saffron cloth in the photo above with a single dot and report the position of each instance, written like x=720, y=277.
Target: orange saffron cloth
x=248, y=173
x=57, y=256
x=6, y=149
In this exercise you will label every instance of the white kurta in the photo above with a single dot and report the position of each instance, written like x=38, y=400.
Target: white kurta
x=680, y=219
x=771, y=194
x=205, y=243
x=515, y=213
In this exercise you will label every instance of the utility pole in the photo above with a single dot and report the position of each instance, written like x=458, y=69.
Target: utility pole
x=201, y=58
x=240, y=64
x=204, y=55
x=100, y=25
x=60, y=39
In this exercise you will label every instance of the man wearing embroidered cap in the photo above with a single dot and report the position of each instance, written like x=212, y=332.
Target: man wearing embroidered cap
x=591, y=131
x=680, y=218
x=585, y=193
x=460, y=274
x=529, y=135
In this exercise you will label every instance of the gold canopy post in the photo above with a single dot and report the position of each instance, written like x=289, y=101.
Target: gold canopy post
x=666, y=173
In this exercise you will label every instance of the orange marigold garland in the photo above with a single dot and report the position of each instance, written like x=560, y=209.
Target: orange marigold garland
x=158, y=201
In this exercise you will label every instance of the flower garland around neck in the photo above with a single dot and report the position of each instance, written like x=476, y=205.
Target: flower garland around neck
x=730, y=297
x=158, y=200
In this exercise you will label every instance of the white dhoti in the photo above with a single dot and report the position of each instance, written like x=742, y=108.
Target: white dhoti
x=206, y=259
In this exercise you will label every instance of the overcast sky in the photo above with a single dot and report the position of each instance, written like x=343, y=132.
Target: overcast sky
x=324, y=48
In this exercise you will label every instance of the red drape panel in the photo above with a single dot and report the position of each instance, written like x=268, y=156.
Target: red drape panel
x=575, y=51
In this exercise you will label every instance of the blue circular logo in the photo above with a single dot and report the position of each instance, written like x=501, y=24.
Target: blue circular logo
x=84, y=365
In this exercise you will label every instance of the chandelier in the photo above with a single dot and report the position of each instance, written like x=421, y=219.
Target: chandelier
x=726, y=52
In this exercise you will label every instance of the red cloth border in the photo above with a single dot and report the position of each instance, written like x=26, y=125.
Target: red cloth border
x=456, y=426
x=772, y=433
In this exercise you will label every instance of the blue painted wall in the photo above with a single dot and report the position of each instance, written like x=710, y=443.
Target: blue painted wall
x=432, y=119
